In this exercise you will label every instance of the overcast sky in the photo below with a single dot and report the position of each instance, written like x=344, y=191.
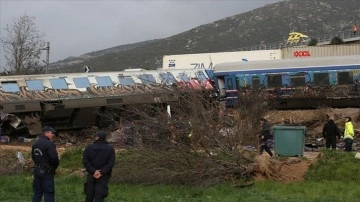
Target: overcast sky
x=77, y=27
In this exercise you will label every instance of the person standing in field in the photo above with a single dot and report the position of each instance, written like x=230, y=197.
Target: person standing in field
x=348, y=134
x=330, y=132
x=99, y=160
x=265, y=136
x=45, y=157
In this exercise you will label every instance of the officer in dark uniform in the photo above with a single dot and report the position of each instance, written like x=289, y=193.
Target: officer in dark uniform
x=98, y=159
x=46, y=160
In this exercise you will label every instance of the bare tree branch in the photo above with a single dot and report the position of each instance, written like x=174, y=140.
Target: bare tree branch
x=22, y=44
x=200, y=144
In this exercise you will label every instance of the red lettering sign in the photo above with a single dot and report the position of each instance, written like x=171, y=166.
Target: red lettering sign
x=302, y=53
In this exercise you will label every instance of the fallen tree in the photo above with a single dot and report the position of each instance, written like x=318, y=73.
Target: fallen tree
x=200, y=142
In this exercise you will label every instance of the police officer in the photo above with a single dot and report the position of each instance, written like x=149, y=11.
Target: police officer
x=98, y=159
x=46, y=160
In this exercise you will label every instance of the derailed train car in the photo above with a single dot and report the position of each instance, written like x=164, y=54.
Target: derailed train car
x=294, y=83
x=77, y=100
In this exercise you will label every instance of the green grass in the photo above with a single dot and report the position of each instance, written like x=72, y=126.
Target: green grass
x=335, y=166
x=70, y=189
x=72, y=158
x=333, y=178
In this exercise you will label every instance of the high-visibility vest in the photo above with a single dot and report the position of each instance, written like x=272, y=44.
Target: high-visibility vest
x=349, y=130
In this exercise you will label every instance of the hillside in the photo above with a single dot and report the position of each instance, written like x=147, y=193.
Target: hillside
x=267, y=24
x=96, y=54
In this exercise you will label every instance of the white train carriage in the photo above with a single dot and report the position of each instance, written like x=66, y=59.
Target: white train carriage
x=76, y=100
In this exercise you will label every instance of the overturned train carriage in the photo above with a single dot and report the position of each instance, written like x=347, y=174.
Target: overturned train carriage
x=293, y=83
x=78, y=100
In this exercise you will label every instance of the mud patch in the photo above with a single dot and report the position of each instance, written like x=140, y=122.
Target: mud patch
x=285, y=170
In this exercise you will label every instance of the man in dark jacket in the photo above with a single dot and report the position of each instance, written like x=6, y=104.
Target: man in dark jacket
x=98, y=159
x=265, y=136
x=46, y=160
x=330, y=132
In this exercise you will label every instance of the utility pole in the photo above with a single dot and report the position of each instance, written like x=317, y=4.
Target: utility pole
x=47, y=48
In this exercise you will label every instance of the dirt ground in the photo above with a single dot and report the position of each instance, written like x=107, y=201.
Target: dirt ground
x=282, y=169
x=22, y=148
x=285, y=170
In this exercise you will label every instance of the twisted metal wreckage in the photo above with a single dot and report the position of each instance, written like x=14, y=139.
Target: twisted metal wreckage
x=78, y=100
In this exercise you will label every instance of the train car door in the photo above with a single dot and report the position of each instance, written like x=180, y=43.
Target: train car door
x=225, y=83
x=230, y=82
x=230, y=89
x=220, y=81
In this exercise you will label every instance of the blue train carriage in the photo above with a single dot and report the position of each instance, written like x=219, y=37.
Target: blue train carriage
x=318, y=78
x=77, y=100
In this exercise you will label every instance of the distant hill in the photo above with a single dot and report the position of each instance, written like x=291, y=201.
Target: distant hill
x=267, y=24
x=96, y=54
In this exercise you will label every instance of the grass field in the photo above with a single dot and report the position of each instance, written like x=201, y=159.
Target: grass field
x=69, y=189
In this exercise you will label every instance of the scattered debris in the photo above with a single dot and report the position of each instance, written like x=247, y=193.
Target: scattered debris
x=4, y=139
x=20, y=157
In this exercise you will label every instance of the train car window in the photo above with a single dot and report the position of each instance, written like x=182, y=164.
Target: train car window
x=126, y=81
x=256, y=82
x=167, y=78
x=58, y=83
x=82, y=82
x=34, y=85
x=297, y=80
x=104, y=81
x=184, y=77
x=147, y=79
x=345, y=78
x=321, y=79
x=274, y=81
x=201, y=76
x=11, y=87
